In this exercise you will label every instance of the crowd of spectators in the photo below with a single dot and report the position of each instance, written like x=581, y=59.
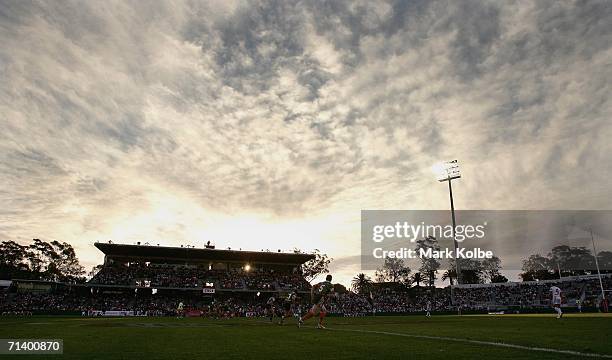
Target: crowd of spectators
x=350, y=304
x=231, y=280
x=60, y=301
x=156, y=276
x=260, y=280
x=193, y=277
x=417, y=300
x=148, y=305
x=585, y=292
x=292, y=281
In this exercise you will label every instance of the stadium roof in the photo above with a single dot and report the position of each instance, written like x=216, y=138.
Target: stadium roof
x=125, y=251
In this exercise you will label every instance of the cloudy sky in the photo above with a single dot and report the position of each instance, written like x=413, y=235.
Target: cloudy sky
x=271, y=124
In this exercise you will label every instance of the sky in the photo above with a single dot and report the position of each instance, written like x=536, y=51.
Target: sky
x=272, y=124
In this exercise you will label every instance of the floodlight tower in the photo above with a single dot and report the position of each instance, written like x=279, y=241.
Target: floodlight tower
x=449, y=171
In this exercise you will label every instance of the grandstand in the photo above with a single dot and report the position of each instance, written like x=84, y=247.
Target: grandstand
x=151, y=280
x=186, y=268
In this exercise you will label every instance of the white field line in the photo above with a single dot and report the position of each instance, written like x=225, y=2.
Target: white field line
x=479, y=342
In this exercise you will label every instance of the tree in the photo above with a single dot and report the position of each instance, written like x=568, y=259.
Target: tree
x=562, y=260
x=499, y=278
x=66, y=263
x=537, y=267
x=472, y=271
x=12, y=255
x=418, y=279
x=429, y=265
x=605, y=261
x=12, y=261
x=393, y=270
x=471, y=276
x=40, y=260
x=340, y=289
x=317, y=266
x=572, y=261
x=449, y=275
x=39, y=255
x=361, y=283
x=491, y=268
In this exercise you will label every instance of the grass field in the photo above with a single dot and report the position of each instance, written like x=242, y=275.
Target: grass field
x=415, y=337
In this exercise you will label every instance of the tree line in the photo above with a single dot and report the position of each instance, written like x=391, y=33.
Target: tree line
x=40, y=260
x=563, y=261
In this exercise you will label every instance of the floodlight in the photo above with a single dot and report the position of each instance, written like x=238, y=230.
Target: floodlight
x=446, y=171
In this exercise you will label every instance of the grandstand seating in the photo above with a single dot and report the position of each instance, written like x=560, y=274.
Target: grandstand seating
x=167, y=276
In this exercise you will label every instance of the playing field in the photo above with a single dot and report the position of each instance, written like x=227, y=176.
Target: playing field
x=440, y=337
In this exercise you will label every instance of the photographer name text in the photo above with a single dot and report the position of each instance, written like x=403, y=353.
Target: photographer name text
x=406, y=253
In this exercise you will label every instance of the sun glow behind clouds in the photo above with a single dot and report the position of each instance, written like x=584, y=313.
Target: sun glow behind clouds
x=257, y=232
x=171, y=220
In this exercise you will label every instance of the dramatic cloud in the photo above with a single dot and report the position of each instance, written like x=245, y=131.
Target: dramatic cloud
x=272, y=124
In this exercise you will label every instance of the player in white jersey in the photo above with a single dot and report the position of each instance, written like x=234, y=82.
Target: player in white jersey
x=270, y=307
x=428, y=308
x=179, y=310
x=556, y=300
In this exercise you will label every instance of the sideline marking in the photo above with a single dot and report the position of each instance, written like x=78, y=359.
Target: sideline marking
x=479, y=342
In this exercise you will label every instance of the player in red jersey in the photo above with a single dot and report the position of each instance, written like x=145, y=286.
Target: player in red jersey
x=320, y=294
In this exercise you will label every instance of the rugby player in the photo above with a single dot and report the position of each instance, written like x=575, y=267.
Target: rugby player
x=179, y=310
x=289, y=306
x=270, y=308
x=556, y=300
x=320, y=294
